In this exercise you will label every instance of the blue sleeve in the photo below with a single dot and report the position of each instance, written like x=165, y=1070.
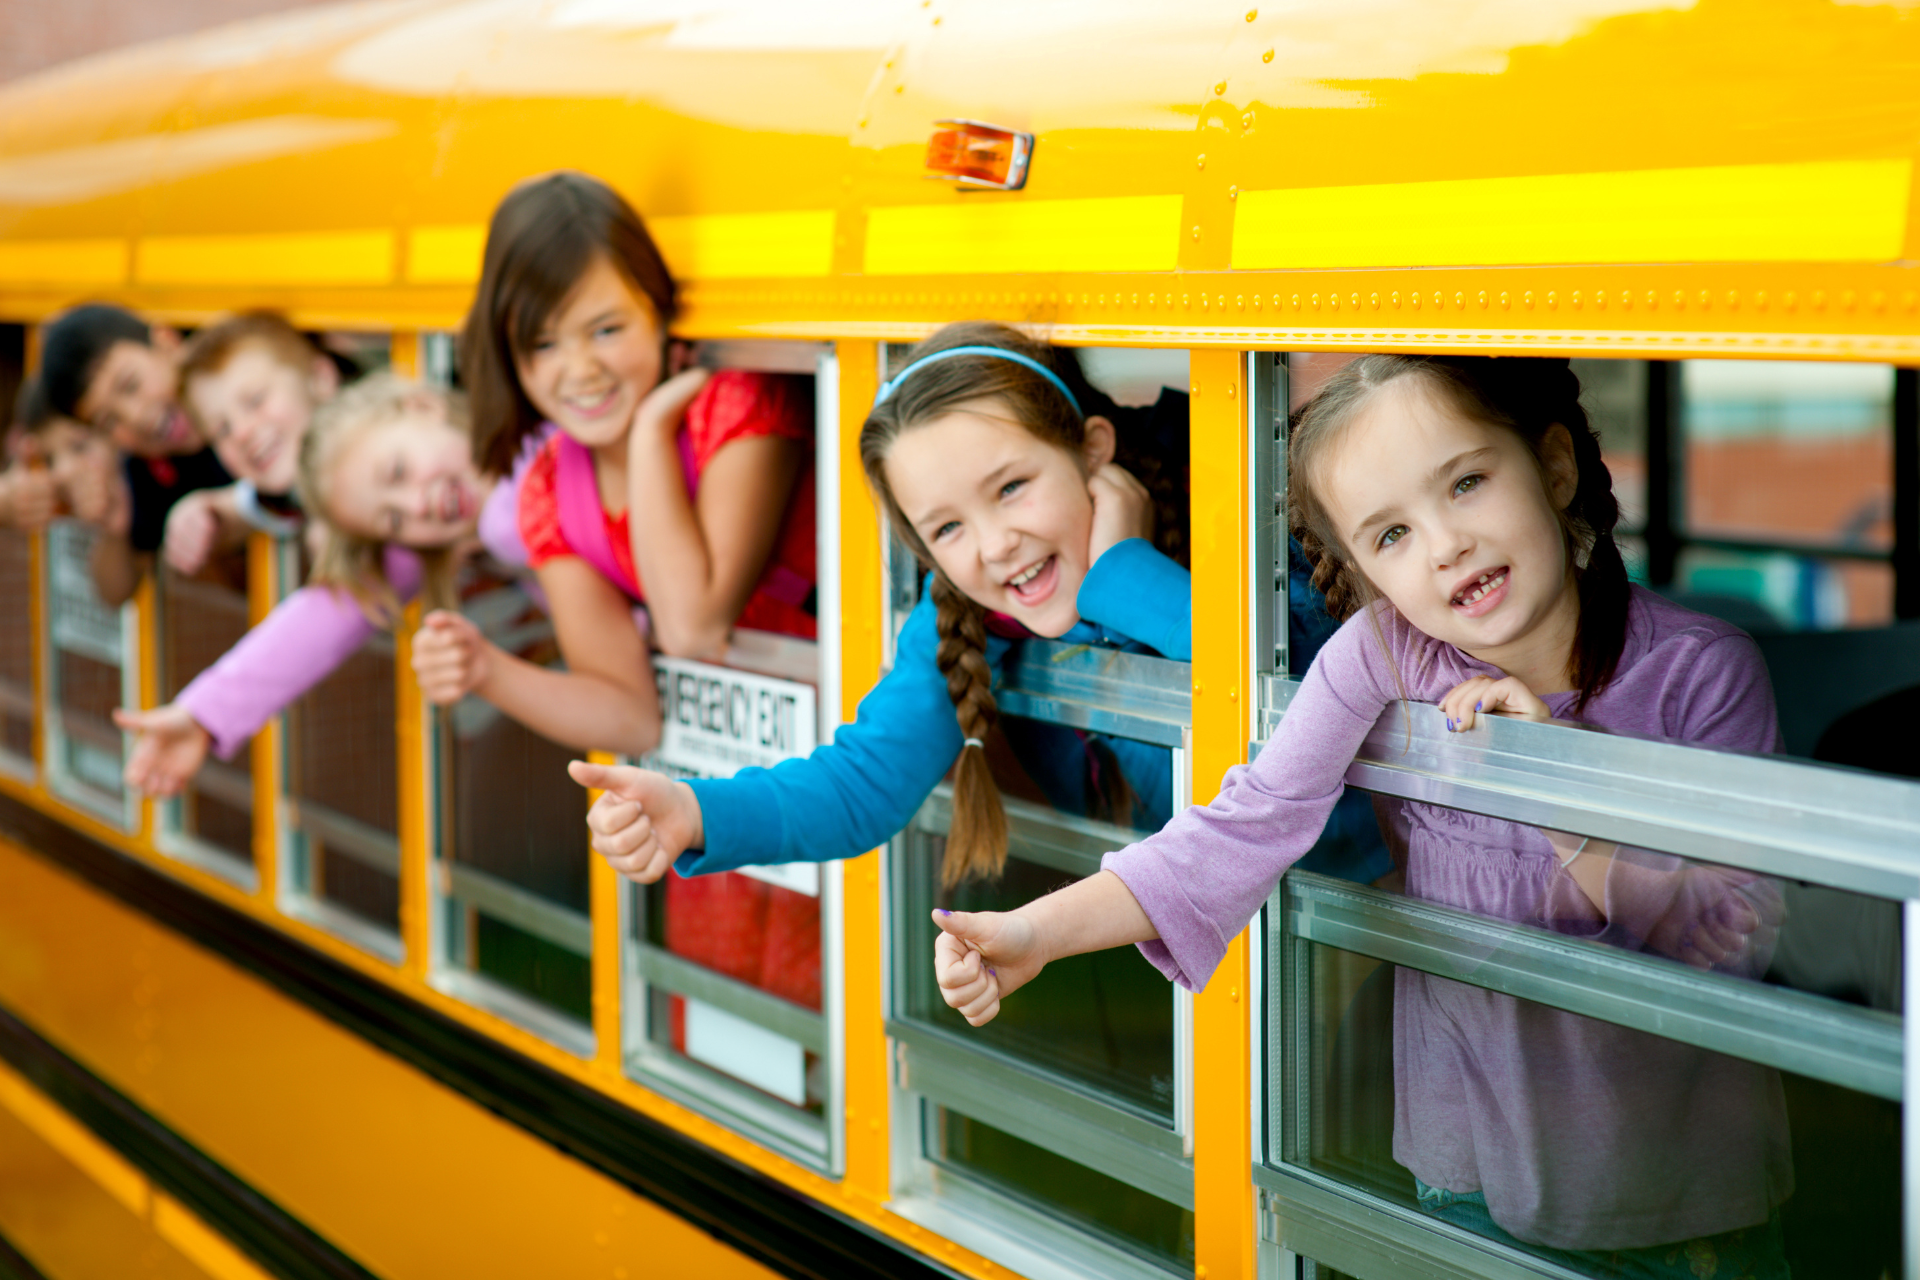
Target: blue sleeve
x=850, y=795
x=1143, y=595
x=1309, y=625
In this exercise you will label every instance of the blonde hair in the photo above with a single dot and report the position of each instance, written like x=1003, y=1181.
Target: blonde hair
x=350, y=561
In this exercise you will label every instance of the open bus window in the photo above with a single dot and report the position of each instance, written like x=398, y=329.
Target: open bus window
x=340, y=818
x=511, y=880
x=1074, y=1104
x=92, y=671
x=1593, y=1053
x=211, y=822
x=730, y=980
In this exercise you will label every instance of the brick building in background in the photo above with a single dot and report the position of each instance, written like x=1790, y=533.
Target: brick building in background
x=37, y=34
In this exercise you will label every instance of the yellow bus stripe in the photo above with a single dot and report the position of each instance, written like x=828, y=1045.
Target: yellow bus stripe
x=739, y=245
x=107, y=1167
x=305, y=258
x=1840, y=211
x=445, y=255
x=63, y=262
x=1116, y=233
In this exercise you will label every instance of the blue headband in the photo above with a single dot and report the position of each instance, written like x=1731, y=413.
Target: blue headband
x=893, y=384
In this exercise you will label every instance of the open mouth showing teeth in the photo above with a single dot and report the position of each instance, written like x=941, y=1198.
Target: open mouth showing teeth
x=1488, y=582
x=1022, y=579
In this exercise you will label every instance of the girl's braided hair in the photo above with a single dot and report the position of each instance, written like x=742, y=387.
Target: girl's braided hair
x=977, y=841
x=1525, y=395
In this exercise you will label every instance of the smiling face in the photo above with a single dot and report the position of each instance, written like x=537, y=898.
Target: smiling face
x=1454, y=521
x=130, y=397
x=256, y=408
x=408, y=480
x=1007, y=516
x=595, y=359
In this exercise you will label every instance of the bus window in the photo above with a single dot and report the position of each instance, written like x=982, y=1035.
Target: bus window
x=91, y=671
x=731, y=980
x=339, y=820
x=514, y=933
x=1073, y=1108
x=211, y=822
x=16, y=654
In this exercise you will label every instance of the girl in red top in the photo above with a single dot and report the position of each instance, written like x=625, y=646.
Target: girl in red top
x=692, y=495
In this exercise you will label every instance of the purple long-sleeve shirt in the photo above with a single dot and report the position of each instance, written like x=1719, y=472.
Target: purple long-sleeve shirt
x=315, y=629
x=1581, y=1134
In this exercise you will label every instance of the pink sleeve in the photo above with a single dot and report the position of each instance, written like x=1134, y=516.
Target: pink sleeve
x=298, y=645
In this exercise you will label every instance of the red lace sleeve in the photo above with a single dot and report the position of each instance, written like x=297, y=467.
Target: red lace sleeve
x=736, y=404
x=540, y=510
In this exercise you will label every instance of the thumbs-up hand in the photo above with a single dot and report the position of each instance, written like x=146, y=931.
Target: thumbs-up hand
x=982, y=956
x=642, y=821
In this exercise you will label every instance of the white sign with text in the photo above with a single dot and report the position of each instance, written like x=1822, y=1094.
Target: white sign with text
x=716, y=721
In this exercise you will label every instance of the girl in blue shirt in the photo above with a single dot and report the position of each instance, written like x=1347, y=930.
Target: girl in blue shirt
x=1039, y=508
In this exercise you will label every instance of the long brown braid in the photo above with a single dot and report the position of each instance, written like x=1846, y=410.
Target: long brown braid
x=977, y=841
x=1527, y=396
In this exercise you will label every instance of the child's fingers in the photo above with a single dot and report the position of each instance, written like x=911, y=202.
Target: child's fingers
x=622, y=780
x=984, y=1007
x=644, y=866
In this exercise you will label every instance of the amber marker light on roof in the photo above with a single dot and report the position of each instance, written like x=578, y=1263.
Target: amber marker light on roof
x=979, y=155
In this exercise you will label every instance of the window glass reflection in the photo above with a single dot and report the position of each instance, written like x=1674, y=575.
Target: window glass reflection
x=1608, y=1148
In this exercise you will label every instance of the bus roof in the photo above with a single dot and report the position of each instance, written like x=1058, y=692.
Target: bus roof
x=1583, y=175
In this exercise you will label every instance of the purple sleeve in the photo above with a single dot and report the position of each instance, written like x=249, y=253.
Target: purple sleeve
x=295, y=647
x=1203, y=876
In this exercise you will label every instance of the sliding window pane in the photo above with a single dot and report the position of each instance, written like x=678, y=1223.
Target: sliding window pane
x=341, y=821
x=198, y=622
x=514, y=856
x=87, y=645
x=1604, y=1056
x=16, y=652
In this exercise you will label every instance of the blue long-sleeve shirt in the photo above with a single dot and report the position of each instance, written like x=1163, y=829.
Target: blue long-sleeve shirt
x=853, y=794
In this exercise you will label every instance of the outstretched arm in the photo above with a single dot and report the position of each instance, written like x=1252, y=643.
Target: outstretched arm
x=982, y=956
x=605, y=700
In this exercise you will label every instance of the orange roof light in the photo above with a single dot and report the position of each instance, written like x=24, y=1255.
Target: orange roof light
x=979, y=155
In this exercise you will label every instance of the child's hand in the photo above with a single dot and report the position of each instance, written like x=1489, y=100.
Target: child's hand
x=1122, y=509
x=32, y=498
x=450, y=657
x=1482, y=694
x=169, y=751
x=97, y=493
x=642, y=822
x=667, y=403
x=192, y=527
x=981, y=956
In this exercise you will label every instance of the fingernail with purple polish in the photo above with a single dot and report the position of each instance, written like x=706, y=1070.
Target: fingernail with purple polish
x=945, y=912
x=1476, y=706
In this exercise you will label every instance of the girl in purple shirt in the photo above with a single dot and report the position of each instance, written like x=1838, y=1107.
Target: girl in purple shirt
x=1459, y=518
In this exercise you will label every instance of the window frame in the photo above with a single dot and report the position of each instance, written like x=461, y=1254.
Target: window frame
x=1835, y=827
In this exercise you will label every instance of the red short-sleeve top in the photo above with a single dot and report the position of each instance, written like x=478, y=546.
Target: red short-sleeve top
x=734, y=405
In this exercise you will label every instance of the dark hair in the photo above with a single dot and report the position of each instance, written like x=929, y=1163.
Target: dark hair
x=1524, y=395
x=977, y=841
x=72, y=347
x=31, y=411
x=542, y=240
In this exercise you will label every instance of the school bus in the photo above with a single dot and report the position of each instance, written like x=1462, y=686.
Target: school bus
x=362, y=1003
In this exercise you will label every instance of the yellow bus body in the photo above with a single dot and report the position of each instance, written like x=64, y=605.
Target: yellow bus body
x=1577, y=177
